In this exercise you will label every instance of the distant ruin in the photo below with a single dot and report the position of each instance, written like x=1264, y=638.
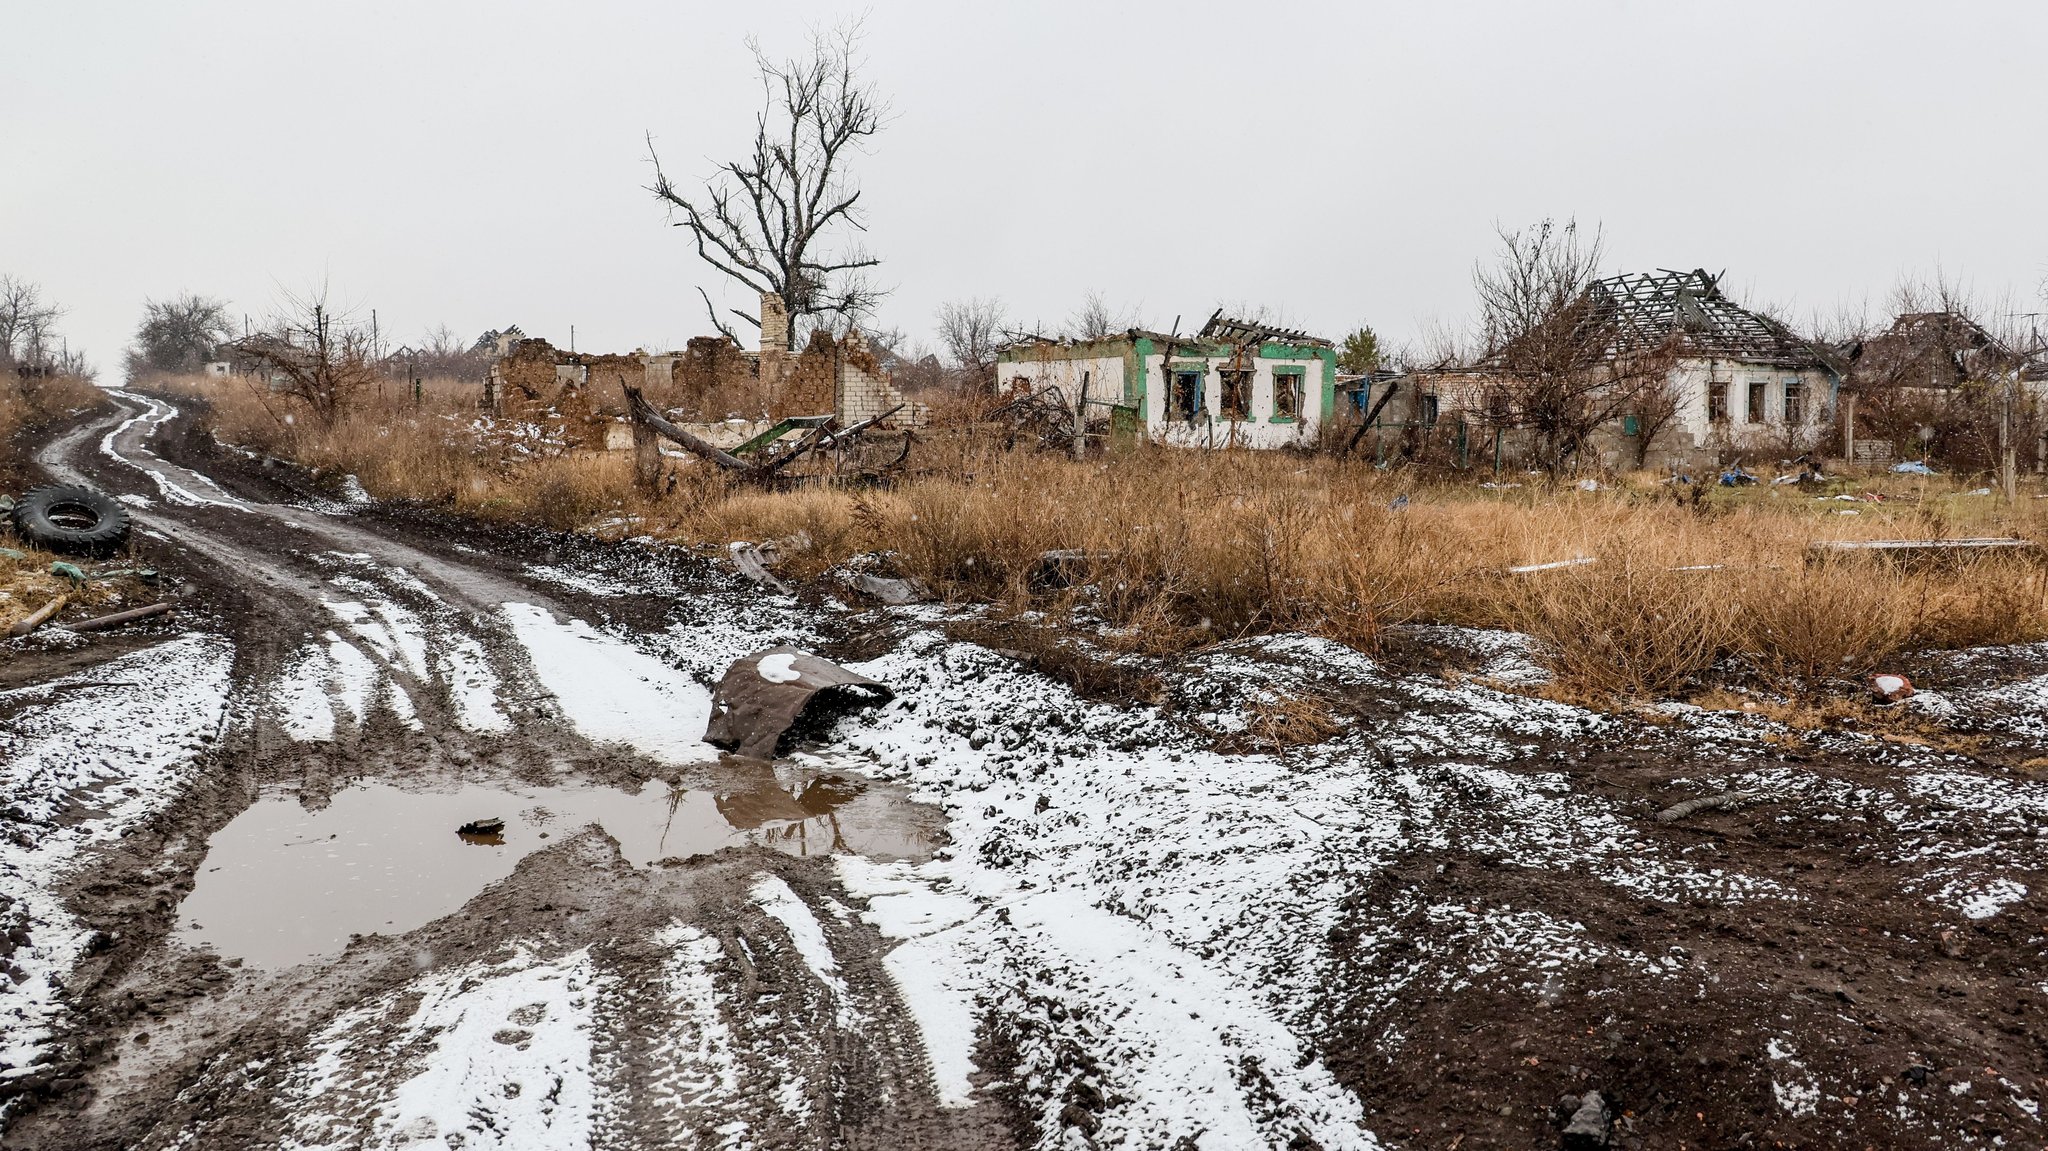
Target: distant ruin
x=710, y=379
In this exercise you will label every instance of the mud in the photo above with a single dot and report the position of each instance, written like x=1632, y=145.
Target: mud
x=1429, y=930
x=382, y=695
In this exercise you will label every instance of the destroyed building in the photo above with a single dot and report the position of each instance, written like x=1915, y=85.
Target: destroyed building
x=711, y=378
x=1937, y=385
x=1235, y=383
x=1726, y=381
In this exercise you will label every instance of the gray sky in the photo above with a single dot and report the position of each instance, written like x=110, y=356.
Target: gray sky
x=483, y=164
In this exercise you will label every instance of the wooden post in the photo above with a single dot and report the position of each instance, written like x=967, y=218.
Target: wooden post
x=2008, y=456
x=1849, y=430
x=1081, y=421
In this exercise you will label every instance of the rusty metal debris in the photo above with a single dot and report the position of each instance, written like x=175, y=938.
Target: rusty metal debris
x=767, y=694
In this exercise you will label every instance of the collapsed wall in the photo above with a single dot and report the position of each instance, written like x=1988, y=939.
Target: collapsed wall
x=712, y=378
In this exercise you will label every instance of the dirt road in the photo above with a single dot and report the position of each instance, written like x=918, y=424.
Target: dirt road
x=237, y=913
x=346, y=679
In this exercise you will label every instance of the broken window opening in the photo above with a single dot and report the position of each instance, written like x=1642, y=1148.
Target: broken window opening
x=1287, y=395
x=1236, y=397
x=1717, y=403
x=1795, y=402
x=1755, y=412
x=1187, y=395
x=1428, y=411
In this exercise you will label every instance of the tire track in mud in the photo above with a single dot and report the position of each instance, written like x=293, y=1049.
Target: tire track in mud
x=361, y=656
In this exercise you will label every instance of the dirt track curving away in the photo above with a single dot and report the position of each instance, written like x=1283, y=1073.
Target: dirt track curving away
x=991, y=914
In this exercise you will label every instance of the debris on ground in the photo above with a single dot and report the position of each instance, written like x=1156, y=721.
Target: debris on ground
x=765, y=695
x=754, y=565
x=490, y=826
x=120, y=618
x=1678, y=811
x=71, y=520
x=895, y=592
x=38, y=617
x=1590, y=1125
x=1891, y=688
x=1919, y=552
x=1576, y=561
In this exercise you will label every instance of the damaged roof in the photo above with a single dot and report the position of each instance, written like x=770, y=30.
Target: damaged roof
x=1234, y=331
x=1647, y=310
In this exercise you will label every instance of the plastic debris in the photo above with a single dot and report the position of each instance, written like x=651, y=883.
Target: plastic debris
x=1577, y=561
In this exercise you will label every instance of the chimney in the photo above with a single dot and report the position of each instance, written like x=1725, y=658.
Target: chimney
x=774, y=324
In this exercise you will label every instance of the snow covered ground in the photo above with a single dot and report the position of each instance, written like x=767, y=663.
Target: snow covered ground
x=83, y=758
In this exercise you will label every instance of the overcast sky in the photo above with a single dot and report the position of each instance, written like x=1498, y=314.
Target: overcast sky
x=483, y=164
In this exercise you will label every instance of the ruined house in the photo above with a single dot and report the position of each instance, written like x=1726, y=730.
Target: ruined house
x=1726, y=382
x=1234, y=383
x=1938, y=385
x=709, y=379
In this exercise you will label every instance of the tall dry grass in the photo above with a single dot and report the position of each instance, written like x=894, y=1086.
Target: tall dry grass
x=1174, y=548
x=30, y=403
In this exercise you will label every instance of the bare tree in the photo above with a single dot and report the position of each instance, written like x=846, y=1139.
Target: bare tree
x=1095, y=319
x=1553, y=343
x=317, y=356
x=972, y=332
x=27, y=323
x=177, y=335
x=764, y=219
x=446, y=355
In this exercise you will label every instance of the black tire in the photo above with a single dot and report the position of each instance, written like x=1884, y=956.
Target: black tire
x=71, y=520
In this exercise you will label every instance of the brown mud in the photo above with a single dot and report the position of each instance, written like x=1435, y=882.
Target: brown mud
x=169, y=1044
x=1915, y=1026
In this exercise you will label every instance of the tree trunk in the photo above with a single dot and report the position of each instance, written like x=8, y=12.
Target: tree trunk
x=646, y=457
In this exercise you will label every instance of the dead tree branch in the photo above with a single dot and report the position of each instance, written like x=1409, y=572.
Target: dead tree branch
x=761, y=220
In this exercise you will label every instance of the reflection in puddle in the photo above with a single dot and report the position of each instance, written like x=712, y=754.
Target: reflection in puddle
x=283, y=885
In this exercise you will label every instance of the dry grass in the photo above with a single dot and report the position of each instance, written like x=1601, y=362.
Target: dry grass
x=1181, y=548
x=27, y=584
x=28, y=404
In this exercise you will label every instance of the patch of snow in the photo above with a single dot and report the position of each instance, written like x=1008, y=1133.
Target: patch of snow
x=494, y=1055
x=1992, y=898
x=590, y=583
x=355, y=677
x=778, y=668
x=692, y=1068
x=773, y=896
x=611, y=691
x=299, y=697
x=1798, y=1098
x=83, y=758
x=472, y=687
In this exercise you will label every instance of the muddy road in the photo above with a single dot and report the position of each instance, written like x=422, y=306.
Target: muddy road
x=993, y=913
x=655, y=950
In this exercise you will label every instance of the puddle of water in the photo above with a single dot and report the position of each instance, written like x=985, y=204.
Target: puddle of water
x=282, y=885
